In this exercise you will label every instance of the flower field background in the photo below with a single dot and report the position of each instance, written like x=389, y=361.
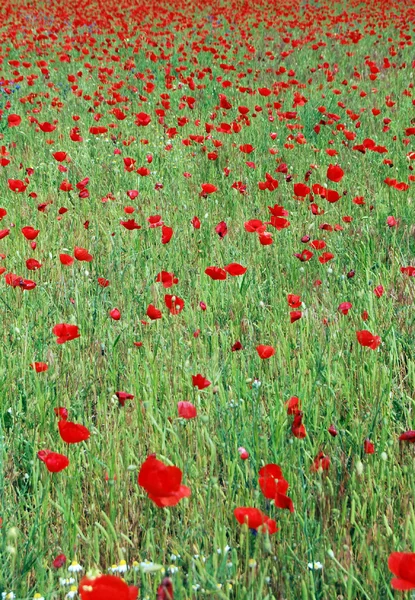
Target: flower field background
x=207, y=279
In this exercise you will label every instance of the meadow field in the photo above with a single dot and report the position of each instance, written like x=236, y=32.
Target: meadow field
x=207, y=283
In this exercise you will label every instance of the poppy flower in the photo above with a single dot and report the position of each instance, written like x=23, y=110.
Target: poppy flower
x=274, y=486
x=335, y=173
x=196, y=222
x=130, y=225
x=167, y=279
x=165, y=590
x=162, y=483
x=54, y=462
x=320, y=463
x=368, y=446
x=14, y=120
x=153, y=313
x=66, y=332
x=294, y=301
x=237, y=346
x=365, y=338
x=344, y=307
x=408, y=436
x=216, y=273
x=298, y=429
x=221, y=229
x=255, y=519
x=402, y=565
x=30, y=233
x=295, y=315
x=265, y=352
x=82, y=254
x=72, y=433
x=4, y=233
x=115, y=314
x=186, y=410
x=39, y=367
x=103, y=282
x=106, y=587
x=123, y=396
x=16, y=185
x=66, y=259
x=59, y=561
x=166, y=234
x=174, y=304
x=208, y=188
x=235, y=269
x=200, y=382
x=332, y=431
x=32, y=264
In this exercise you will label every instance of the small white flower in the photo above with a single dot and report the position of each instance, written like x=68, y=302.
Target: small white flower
x=315, y=566
x=75, y=567
x=8, y=596
x=122, y=567
x=149, y=567
x=68, y=581
x=72, y=592
x=38, y=597
x=225, y=550
x=173, y=569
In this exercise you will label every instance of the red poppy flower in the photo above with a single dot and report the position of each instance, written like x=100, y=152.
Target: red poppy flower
x=255, y=519
x=200, y=382
x=115, y=314
x=166, y=234
x=265, y=352
x=130, y=225
x=368, y=446
x=66, y=332
x=186, y=410
x=344, y=307
x=216, y=273
x=365, y=338
x=54, y=462
x=335, y=173
x=174, y=304
x=208, y=188
x=66, y=259
x=72, y=433
x=153, y=313
x=123, y=396
x=293, y=301
x=298, y=429
x=295, y=315
x=32, y=264
x=39, y=367
x=30, y=233
x=59, y=561
x=82, y=254
x=162, y=483
x=408, y=436
x=321, y=463
x=15, y=185
x=106, y=587
x=167, y=279
x=221, y=229
x=14, y=120
x=235, y=269
x=402, y=564
x=4, y=233
x=274, y=486
x=165, y=590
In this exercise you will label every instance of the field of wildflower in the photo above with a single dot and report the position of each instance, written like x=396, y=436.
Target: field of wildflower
x=207, y=283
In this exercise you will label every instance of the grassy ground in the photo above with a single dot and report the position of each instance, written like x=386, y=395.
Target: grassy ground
x=344, y=60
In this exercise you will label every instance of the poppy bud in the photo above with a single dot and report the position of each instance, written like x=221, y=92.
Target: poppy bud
x=351, y=274
x=115, y=314
x=332, y=431
x=305, y=239
x=243, y=453
x=33, y=245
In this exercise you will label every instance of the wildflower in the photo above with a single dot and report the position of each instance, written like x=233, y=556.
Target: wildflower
x=75, y=567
